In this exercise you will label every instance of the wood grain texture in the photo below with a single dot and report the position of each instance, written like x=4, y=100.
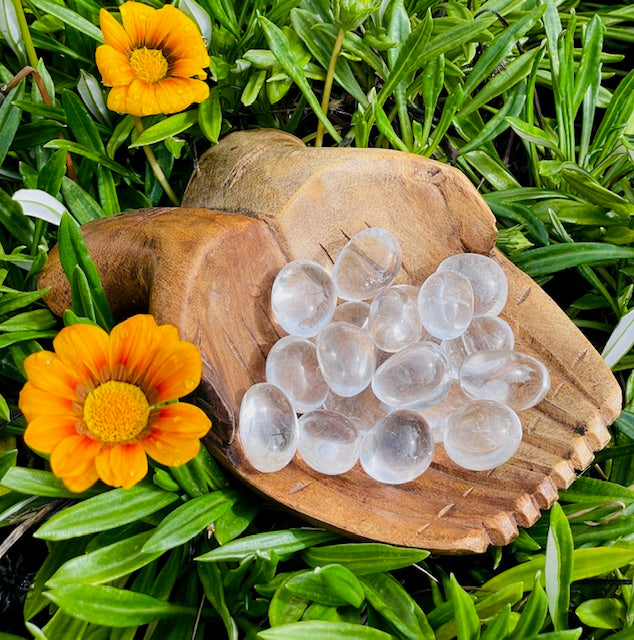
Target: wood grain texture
x=261, y=198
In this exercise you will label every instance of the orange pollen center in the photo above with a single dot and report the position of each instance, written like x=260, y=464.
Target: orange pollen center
x=116, y=411
x=149, y=65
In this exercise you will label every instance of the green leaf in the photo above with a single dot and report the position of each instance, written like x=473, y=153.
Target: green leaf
x=105, y=564
x=499, y=626
x=388, y=597
x=34, y=482
x=286, y=607
x=533, y=134
x=108, y=510
x=212, y=581
x=70, y=18
x=534, y=613
x=210, y=116
x=188, y=520
x=165, y=128
x=284, y=543
x=323, y=631
x=280, y=46
x=81, y=124
x=253, y=87
x=602, y=613
x=343, y=583
x=9, y=120
x=365, y=557
x=37, y=320
x=591, y=490
x=81, y=205
x=558, y=571
x=113, y=607
x=464, y=611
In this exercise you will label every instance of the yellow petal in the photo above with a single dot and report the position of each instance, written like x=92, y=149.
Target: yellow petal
x=182, y=420
x=114, y=67
x=135, y=17
x=168, y=451
x=117, y=99
x=122, y=465
x=187, y=68
x=83, y=348
x=47, y=372
x=113, y=33
x=74, y=455
x=44, y=433
x=35, y=402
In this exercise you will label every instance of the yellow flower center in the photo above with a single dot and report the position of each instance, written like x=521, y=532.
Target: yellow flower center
x=116, y=411
x=149, y=65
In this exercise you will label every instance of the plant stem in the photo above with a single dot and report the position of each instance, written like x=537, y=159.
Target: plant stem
x=330, y=74
x=158, y=172
x=24, y=32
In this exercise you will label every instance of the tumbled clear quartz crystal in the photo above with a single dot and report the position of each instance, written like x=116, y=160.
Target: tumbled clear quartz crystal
x=346, y=358
x=488, y=281
x=394, y=322
x=269, y=431
x=512, y=378
x=482, y=435
x=483, y=334
x=354, y=312
x=329, y=441
x=398, y=448
x=445, y=304
x=415, y=377
x=364, y=408
x=437, y=415
x=303, y=298
x=292, y=366
x=367, y=264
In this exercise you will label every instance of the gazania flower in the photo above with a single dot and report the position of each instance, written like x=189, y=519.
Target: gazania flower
x=150, y=61
x=97, y=404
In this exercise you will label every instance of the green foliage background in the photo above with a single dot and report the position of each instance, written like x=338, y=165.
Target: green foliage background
x=533, y=100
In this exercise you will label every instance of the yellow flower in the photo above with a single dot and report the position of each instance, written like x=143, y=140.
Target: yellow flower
x=150, y=61
x=96, y=404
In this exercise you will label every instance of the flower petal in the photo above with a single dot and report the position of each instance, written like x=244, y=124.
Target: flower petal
x=135, y=17
x=74, y=455
x=82, y=482
x=113, y=33
x=114, y=66
x=169, y=452
x=47, y=371
x=186, y=68
x=117, y=99
x=35, y=402
x=176, y=94
x=84, y=349
x=174, y=372
x=122, y=465
x=182, y=420
x=44, y=433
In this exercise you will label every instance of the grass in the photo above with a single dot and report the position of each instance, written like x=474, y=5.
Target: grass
x=533, y=100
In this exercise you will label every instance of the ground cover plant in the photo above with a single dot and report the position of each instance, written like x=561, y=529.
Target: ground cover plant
x=532, y=99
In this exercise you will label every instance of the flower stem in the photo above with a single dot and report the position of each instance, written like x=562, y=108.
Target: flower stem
x=24, y=32
x=330, y=74
x=158, y=172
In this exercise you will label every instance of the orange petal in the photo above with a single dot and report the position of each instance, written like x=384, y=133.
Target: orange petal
x=74, y=455
x=174, y=372
x=46, y=432
x=135, y=17
x=113, y=33
x=122, y=465
x=35, y=402
x=47, y=372
x=182, y=420
x=117, y=99
x=168, y=451
x=82, y=482
x=84, y=349
x=133, y=344
x=186, y=68
x=114, y=67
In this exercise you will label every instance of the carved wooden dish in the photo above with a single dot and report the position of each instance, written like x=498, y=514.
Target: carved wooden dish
x=259, y=199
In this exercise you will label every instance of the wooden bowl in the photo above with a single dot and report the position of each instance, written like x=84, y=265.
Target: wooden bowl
x=259, y=199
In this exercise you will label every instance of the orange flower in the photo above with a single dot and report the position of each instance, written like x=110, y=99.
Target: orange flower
x=150, y=61
x=97, y=405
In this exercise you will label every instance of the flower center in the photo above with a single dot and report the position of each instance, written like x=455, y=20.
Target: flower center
x=116, y=411
x=149, y=65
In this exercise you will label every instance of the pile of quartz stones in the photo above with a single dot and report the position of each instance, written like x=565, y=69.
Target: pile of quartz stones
x=390, y=371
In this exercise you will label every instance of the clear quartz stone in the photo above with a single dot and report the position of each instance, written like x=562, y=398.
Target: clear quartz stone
x=364, y=408
x=488, y=281
x=483, y=334
x=303, y=298
x=394, y=322
x=482, y=435
x=445, y=304
x=292, y=366
x=415, y=377
x=367, y=264
x=346, y=358
x=512, y=378
x=329, y=441
x=268, y=429
x=437, y=415
x=398, y=448
x=354, y=312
